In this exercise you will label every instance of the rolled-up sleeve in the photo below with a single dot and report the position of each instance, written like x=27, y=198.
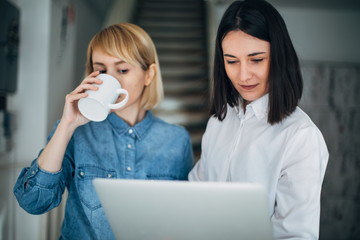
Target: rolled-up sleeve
x=37, y=191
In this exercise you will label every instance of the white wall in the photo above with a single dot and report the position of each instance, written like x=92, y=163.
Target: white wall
x=28, y=105
x=324, y=35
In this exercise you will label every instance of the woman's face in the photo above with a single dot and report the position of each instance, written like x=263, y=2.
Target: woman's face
x=131, y=77
x=247, y=64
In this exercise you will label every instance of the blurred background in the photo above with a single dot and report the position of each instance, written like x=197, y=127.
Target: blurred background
x=42, y=58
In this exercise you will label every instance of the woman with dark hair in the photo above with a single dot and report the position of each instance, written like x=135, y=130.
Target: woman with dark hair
x=257, y=132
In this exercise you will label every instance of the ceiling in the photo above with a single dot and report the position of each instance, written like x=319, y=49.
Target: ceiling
x=325, y=4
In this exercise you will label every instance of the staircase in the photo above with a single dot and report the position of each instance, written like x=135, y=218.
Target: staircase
x=178, y=30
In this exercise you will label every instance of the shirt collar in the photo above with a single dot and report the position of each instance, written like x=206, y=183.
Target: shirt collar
x=139, y=129
x=260, y=107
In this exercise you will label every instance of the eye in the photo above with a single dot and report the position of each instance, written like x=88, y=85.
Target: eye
x=256, y=60
x=231, y=61
x=123, y=71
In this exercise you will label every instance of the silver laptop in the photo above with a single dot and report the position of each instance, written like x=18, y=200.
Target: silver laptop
x=179, y=210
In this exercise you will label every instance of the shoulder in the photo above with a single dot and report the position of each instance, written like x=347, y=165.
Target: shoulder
x=300, y=126
x=298, y=120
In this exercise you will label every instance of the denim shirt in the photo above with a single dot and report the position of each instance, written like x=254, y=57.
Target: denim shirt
x=152, y=149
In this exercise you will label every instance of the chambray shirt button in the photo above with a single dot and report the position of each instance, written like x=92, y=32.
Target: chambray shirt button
x=129, y=145
x=82, y=174
x=130, y=131
x=109, y=175
x=128, y=168
x=33, y=172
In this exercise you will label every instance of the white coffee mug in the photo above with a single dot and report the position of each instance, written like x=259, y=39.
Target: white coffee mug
x=97, y=105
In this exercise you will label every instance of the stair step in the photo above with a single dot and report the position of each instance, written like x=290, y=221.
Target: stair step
x=189, y=30
x=171, y=23
x=171, y=37
x=184, y=67
x=184, y=77
x=168, y=5
x=196, y=138
x=174, y=59
x=184, y=102
x=171, y=87
x=162, y=7
x=168, y=59
x=186, y=119
x=179, y=51
x=180, y=41
x=173, y=1
x=172, y=14
x=170, y=17
x=179, y=46
x=177, y=36
x=181, y=33
x=161, y=11
x=192, y=69
x=182, y=52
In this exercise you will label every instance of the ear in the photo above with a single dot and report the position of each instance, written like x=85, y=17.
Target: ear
x=150, y=74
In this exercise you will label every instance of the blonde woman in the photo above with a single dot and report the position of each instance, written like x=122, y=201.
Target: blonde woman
x=129, y=143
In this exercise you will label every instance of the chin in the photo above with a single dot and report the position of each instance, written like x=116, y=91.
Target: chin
x=248, y=98
x=251, y=97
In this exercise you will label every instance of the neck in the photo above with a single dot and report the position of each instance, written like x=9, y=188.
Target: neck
x=132, y=115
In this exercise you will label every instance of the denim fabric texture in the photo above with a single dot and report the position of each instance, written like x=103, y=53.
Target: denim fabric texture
x=152, y=149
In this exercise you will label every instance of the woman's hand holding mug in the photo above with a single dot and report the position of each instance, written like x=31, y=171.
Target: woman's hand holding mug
x=71, y=114
x=97, y=105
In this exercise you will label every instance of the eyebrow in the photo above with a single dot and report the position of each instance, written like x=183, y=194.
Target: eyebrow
x=117, y=63
x=250, y=55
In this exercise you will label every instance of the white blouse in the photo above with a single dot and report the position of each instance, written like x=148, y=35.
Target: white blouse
x=289, y=159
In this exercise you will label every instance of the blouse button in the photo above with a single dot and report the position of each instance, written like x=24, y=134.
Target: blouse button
x=129, y=146
x=109, y=175
x=33, y=172
x=128, y=168
x=130, y=131
x=82, y=174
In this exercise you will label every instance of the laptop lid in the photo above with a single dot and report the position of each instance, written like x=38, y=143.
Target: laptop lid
x=179, y=210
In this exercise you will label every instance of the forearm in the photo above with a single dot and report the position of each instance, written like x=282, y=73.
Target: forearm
x=52, y=156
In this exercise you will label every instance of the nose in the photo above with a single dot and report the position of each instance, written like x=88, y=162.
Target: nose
x=244, y=73
x=110, y=72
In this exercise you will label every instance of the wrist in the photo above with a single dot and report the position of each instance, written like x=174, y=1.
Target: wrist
x=66, y=127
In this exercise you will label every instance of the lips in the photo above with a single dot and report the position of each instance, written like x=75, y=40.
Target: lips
x=249, y=87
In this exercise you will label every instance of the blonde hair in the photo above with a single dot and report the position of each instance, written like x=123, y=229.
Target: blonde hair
x=133, y=45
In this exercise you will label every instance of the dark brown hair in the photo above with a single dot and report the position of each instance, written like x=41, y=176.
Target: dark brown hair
x=261, y=20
